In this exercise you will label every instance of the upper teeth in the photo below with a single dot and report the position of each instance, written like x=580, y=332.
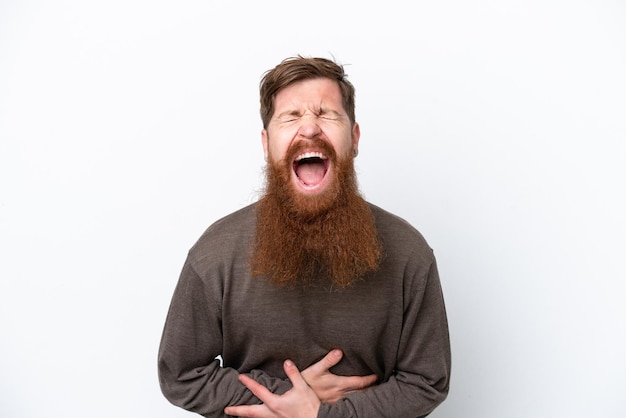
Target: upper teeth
x=310, y=155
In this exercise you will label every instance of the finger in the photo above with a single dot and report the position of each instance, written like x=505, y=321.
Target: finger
x=253, y=411
x=362, y=382
x=330, y=359
x=354, y=383
x=293, y=374
x=256, y=388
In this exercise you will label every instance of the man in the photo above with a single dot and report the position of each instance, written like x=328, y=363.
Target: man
x=311, y=278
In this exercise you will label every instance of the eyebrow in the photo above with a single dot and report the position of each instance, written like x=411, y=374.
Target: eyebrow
x=319, y=111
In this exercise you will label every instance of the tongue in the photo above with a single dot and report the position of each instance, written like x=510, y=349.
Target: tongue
x=311, y=173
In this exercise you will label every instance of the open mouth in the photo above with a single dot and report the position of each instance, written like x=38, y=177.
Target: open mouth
x=311, y=168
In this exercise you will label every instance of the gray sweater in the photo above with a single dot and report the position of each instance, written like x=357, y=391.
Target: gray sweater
x=392, y=324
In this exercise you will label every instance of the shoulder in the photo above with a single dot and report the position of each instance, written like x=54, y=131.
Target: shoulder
x=226, y=236
x=399, y=237
x=236, y=222
x=391, y=224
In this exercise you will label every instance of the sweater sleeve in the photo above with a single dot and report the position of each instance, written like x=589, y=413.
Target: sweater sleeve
x=190, y=371
x=420, y=380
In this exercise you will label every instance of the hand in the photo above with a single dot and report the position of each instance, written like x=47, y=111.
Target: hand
x=328, y=386
x=299, y=402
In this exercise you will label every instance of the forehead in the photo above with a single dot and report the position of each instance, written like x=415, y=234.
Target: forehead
x=313, y=92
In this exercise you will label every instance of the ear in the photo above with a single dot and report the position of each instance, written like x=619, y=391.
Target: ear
x=356, y=135
x=265, y=140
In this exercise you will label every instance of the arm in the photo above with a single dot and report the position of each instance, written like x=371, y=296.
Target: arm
x=303, y=400
x=421, y=379
x=299, y=402
x=189, y=373
x=330, y=387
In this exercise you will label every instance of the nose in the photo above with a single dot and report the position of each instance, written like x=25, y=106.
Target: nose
x=309, y=128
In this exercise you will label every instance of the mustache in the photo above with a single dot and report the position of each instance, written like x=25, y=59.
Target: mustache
x=298, y=147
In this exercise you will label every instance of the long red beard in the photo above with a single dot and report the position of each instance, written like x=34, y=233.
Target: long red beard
x=307, y=239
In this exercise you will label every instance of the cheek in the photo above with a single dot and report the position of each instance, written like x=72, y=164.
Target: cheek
x=341, y=139
x=277, y=150
x=344, y=147
x=275, y=146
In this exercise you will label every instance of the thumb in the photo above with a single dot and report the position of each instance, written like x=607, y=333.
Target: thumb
x=292, y=372
x=331, y=359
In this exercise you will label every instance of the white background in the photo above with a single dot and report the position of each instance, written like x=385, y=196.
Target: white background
x=497, y=128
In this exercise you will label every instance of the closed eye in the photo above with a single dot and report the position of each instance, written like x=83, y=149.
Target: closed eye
x=287, y=117
x=328, y=114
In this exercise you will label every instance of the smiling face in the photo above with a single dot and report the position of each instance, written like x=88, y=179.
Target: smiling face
x=310, y=131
